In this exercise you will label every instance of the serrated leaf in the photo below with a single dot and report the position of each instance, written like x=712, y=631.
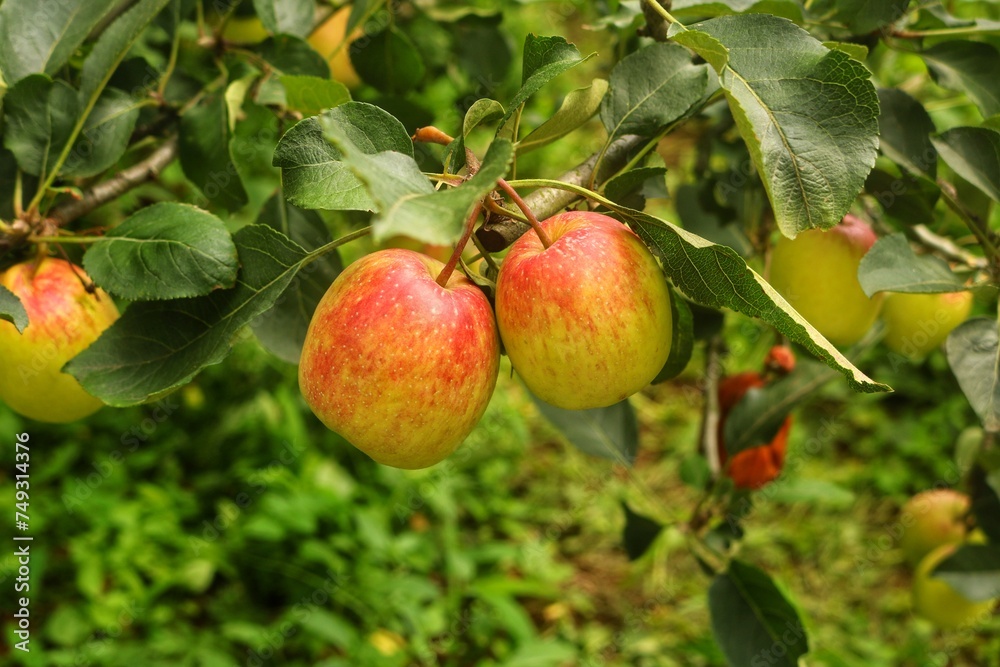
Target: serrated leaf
x=205, y=151
x=282, y=329
x=105, y=135
x=289, y=54
x=610, y=433
x=751, y=617
x=974, y=357
x=973, y=570
x=789, y=9
x=313, y=172
x=650, y=89
x=857, y=51
x=577, y=108
x=974, y=154
x=967, y=67
x=290, y=17
x=807, y=114
x=681, y=340
x=164, y=251
x=544, y=58
x=905, y=130
x=639, y=534
x=39, y=117
x=158, y=345
x=389, y=61
x=892, y=266
x=12, y=310
x=310, y=95
x=39, y=37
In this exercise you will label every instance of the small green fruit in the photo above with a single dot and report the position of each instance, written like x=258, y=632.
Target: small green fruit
x=918, y=323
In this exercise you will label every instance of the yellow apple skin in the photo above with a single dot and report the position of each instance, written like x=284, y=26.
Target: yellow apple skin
x=932, y=519
x=817, y=273
x=244, y=31
x=63, y=320
x=586, y=322
x=938, y=602
x=399, y=366
x=327, y=40
x=918, y=323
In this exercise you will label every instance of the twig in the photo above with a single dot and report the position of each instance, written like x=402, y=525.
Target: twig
x=711, y=414
x=947, y=248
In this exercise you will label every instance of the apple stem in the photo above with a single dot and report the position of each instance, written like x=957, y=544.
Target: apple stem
x=532, y=220
x=449, y=268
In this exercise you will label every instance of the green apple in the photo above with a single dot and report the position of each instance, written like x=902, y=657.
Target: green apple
x=918, y=323
x=244, y=31
x=63, y=320
x=398, y=365
x=817, y=273
x=931, y=519
x=938, y=602
x=330, y=41
x=586, y=321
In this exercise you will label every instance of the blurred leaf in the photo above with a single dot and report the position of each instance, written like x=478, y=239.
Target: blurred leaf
x=282, y=329
x=310, y=94
x=752, y=620
x=973, y=356
x=105, y=135
x=985, y=492
x=634, y=186
x=967, y=67
x=974, y=154
x=291, y=17
x=701, y=214
x=708, y=8
x=206, y=154
x=807, y=114
x=12, y=310
x=39, y=115
x=694, y=471
x=544, y=58
x=313, y=172
x=159, y=345
x=819, y=492
x=681, y=340
x=861, y=16
x=640, y=533
x=650, y=89
x=892, y=266
x=907, y=197
x=293, y=55
x=577, y=108
x=857, y=51
x=541, y=653
x=389, y=61
x=973, y=570
x=164, y=251
x=905, y=130
x=611, y=432
x=482, y=111
x=39, y=37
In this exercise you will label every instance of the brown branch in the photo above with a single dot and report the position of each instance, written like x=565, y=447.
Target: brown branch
x=105, y=191
x=947, y=248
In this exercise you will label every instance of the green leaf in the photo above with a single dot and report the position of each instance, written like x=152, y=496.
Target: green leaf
x=908, y=197
x=892, y=266
x=681, y=340
x=482, y=111
x=757, y=417
x=789, y=9
x=39, y=118
x=105, y=135
x=158, y=345
x=974, y=357
x=634, y=186
x=701, y=214
x=639, y=534
x=905, y=130
x=164, y=251
x=807, y=114
x=974, y=154
x=389, y=61
x=857, y=51
x=313, y=172
x=576, y=109
x=544, y=59
x=282, y=329
x=290, y=17
x=861, y=16
x=752, y=620
x=973, y=570
x=967, y=67
x=310, y=95
x=819, y=492
x=610, y=433
x=39, y=37
x=12, y=310
x=292, y=55
x=206, y=154
x=716, y=276
x=985, y=492
x=652, y=88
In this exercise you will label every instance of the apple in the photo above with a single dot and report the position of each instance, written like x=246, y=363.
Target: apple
x=931, y=519
x=63, y=320
x=399, y=366
x=330, y=41
x=586, y=321
x=817, y=273
x=938, y=602
x=918, y=323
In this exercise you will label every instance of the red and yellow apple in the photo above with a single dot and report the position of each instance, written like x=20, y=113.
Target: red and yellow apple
x=932, y=519
x=915, y=324
x=817, y=273
x=399, y=366
x=938, y=602
x=63, y=320
x=586, y=321
x=331, y=41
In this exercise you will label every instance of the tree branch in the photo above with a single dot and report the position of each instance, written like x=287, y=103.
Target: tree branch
x=947, y=248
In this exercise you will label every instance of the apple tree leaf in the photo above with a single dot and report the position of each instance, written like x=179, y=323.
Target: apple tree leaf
x=577, y=108
x=892, y=266
x=974, y=154
x=206, y=156
x=974, y=357
x=710, y=8
x=313, y=171
x=39, y=118
x=290, y=17
x=482, y=111
x=311, y=95
x=905, y=130
x=282, y=328
x=808, y=115
x=967, y=67
x=752, y=619
x=639, y=534
x=610, y=433
x=633, y=187
x=861, y=16
x=158, y=345
x=388, y=61
x=973, y=570
x=908, y=197
x=289, y=54
x=164, y=251
x=105, y=135
x=12, y=310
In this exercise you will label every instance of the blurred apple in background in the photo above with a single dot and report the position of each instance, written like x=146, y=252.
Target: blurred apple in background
x=931, y=519
x=918, y=323
x=330, y=41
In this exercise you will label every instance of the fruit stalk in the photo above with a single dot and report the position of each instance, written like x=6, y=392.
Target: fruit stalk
x=470, y=223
